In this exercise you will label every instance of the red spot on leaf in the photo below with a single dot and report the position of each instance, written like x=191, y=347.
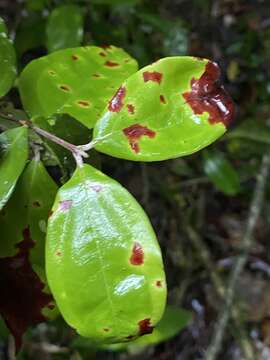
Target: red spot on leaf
x=83, y=103
x=64, y=88
x=158, y=283
x=145, y=327
x=65, y=205
x=96, y=188
x=102, y=53
x=111, y=63
x=135, y=132
x=162, y=99
x=22, y=298
x=137, y=255
x=131, y=108
x=36, y=204
x=116, y=103
x=152, y=76
x=207, y=95
x=75, y=57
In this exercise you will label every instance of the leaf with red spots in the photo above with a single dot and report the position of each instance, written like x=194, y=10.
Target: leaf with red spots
x=7, y=61
x=173, y=321
x=25, y=299
x=79, y=82
x=178, y=105
x=64, y=27
x=14, y=153
x=100, y=235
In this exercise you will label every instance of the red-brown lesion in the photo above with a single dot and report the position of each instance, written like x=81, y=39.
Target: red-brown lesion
x=145, y=326
x=83, y=103
x=110, y=63
x=137, y=254
x=117, y=102
x=74, y=57
x=65, y=88
x=154, y=76
x=22, y=292
x=206, y=95
x=134, y=134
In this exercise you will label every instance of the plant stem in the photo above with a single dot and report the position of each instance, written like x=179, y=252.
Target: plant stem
x=77, y=151
x=254, y=211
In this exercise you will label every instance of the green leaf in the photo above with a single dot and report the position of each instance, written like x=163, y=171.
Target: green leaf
x=252, y=130
x=172, y=322
x=36, y=5
x=64, y=27
x=221, y=173
x=7, y=61
x=23, y=224
x=171, y=108
x=27, y=39
x=78, y=82
x=14, y=153
x=3, y=28
x=103, y=261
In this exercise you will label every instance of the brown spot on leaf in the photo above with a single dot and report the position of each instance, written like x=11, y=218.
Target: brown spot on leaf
x=36, y=204
x=102, y=53
x=110, y=63
x=58, y=253
x=106, y=329
x=83, y=103
x=206, y=95
x=137, y=255
x=145, y=327
x=158, y=283
x=116, y=103
x=106, y=46
x=65, y=205
x=65, y=88
x=97, y=188
x=74, y=57
x=96, y=75
x=22, y=298
x=51, y=72
x=131, y=108
x=152, y=76
x=134, y=134
x=162, y=99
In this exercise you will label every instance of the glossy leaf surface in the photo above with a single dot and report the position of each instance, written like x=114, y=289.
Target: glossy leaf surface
x=103, y=261
x=13, y=156
x=172, y=322
x=25, y=299
x=78, y=82
x=64, y=28
x=7, y=61
x=171, y=108
x=220, y=171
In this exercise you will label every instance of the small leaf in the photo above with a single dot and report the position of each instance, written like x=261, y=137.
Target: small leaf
x=64, y=27
x=252, y=130
x=27, y=39
x=14, y=153
x=25, y=299
x=172, y=322
x=221, y=173
x=101, y=247
x=171, y=108
x=7, y=61
x=78, y=82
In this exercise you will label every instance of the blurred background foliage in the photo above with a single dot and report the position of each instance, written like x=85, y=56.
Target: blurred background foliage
x=198, y=204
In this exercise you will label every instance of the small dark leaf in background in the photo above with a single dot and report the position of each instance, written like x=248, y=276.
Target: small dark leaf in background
x=220, y=171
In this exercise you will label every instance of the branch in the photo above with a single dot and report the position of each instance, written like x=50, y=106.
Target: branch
x=254, y=211
x=77, y=152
